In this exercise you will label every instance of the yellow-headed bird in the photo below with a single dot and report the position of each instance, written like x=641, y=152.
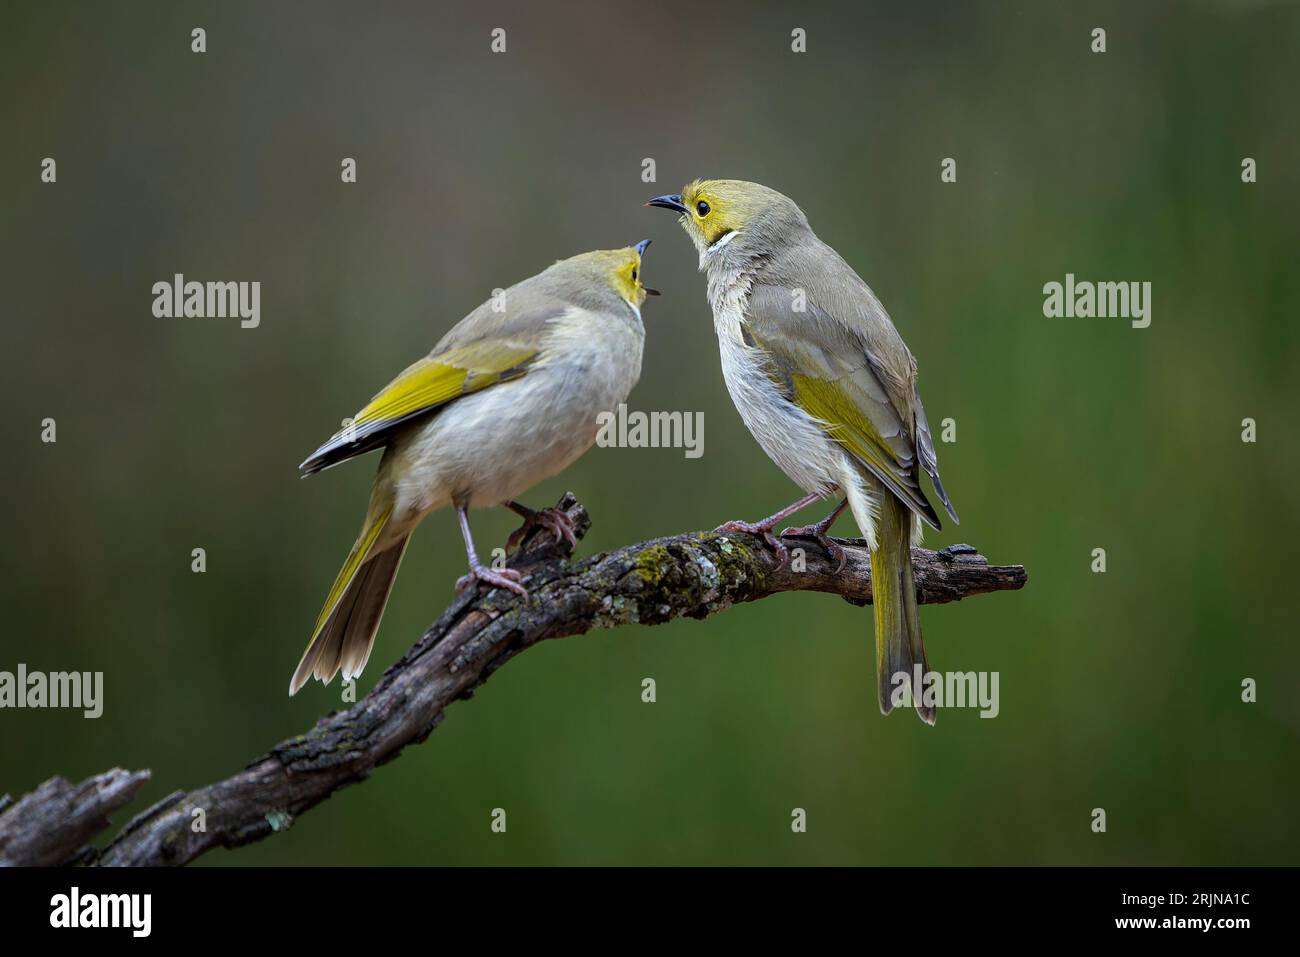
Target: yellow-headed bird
x=510, y=396
x=826, y=385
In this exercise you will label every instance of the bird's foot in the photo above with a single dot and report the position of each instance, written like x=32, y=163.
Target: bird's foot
x=506, y=578
x=554, y=520
x=818, y=533
x=762, y=529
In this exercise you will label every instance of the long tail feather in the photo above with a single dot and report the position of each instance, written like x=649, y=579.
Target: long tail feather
x=365, y=614
x=888, y=525
x=899, y=646
x=345, y=629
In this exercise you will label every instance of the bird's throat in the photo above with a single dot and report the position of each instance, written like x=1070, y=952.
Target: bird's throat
x=720, y=242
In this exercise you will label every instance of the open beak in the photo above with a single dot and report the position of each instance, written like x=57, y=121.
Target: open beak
x=640, y=251
x=671, y=201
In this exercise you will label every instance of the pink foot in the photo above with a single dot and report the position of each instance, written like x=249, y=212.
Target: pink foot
x=817, y=532
x=554, y=520
x=506, y=578
x=761, y=529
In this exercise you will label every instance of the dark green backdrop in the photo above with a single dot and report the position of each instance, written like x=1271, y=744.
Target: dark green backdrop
x=1119, y=691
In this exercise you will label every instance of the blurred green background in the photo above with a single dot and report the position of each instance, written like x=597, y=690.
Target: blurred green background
x=1119, y=691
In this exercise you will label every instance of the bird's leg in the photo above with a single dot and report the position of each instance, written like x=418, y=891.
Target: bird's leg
x=506, y=578
x=554, y=520
x=818, y=531
x=764, y=528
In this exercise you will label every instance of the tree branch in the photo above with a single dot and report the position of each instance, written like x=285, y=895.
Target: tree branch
x=693, y=575
x=53, y=824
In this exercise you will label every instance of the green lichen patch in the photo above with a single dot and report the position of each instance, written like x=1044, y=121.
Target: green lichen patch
x=279, y=820
x=651, y=562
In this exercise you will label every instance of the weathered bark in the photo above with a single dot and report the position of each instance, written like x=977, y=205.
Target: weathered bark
x=54, y=823
x=692, y=575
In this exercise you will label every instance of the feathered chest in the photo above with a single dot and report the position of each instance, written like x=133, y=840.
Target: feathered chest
x=792, y=439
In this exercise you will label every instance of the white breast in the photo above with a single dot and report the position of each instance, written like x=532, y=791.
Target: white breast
x=496, y=444
x=791, y=438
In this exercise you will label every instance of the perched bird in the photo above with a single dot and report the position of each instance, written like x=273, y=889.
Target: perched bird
x=824, y=382
x=509, y=397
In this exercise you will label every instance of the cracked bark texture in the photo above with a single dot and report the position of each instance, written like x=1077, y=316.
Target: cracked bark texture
x=692, y=575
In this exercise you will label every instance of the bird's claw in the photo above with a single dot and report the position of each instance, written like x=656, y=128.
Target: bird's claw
x=817, y=532
x=554, y=520
x=763, y=531
x=506, y=578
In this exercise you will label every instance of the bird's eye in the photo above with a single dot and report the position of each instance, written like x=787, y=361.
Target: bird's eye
x=702, y=208
x=634, y=274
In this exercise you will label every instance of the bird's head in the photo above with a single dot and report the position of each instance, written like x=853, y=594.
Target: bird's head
x=609, y=271
x=718, y=213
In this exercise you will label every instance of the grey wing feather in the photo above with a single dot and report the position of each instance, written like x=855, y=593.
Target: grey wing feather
x=849, y=302
x=810, y=344
x=929, y=461
x=523, y=326
x=844, y=334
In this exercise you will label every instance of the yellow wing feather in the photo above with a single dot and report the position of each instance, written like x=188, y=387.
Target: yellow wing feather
x=435, y=380
x=427, y=384
x=853, y=429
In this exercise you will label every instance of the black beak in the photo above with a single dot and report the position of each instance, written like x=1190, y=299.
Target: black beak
x=671, y=201
x=640, y=251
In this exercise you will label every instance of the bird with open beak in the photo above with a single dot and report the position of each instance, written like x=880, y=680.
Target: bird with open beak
x=512, y=395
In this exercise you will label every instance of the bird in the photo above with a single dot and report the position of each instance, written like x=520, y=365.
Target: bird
x=511, y=395
x=828, y=389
